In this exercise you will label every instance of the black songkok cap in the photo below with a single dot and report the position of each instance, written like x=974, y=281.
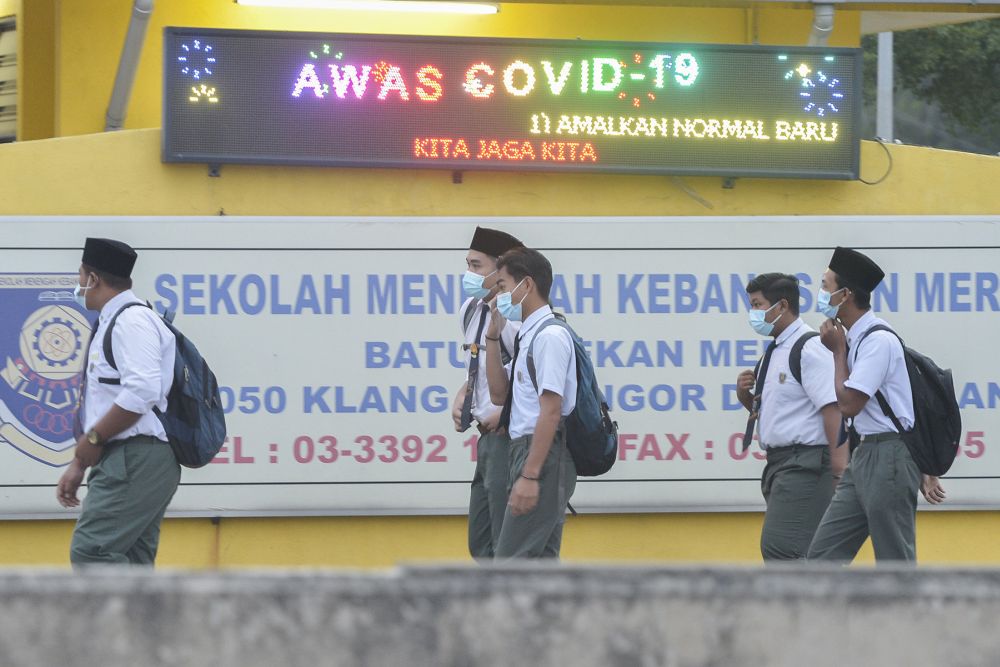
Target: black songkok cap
x=492, y=242
x=110, y=256
x=853, y=267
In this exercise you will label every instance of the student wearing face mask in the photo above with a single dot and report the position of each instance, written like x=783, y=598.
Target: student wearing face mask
x=134, y=472
x=792, y=399
x=488, y=496
x=542, y=473
x=878, y=495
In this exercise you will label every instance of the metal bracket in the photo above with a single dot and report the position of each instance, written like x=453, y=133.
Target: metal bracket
x=214, y=170
x=728, y=182
x=456, y=177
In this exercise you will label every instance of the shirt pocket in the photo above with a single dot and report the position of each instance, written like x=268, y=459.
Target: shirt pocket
x=522, y=381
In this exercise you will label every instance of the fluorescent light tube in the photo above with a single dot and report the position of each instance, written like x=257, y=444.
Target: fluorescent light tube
x=417, y=6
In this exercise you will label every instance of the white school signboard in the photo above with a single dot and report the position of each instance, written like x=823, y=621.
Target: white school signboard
x=337, y=342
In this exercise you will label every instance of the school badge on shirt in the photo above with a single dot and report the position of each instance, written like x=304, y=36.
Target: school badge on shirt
x=43, y=340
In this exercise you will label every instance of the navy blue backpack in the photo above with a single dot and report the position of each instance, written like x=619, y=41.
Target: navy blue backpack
x=591, y=436
x=194, y=420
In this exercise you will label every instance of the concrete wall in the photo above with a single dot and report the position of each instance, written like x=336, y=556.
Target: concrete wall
x=533, y=615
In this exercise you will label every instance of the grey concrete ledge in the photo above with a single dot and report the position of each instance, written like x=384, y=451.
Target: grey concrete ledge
x=520, y=614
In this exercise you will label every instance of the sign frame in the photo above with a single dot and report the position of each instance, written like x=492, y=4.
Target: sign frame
x=171, y=125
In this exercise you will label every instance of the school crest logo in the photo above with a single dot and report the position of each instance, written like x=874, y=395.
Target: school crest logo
x=43, y=348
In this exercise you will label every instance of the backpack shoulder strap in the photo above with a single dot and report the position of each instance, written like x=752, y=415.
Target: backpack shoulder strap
x=531, y=346
x=109, y=354
x=795, y=356
x=879, y=396
x=470, y=310
x=879, y=327
x=504, y=354
x=887, y=411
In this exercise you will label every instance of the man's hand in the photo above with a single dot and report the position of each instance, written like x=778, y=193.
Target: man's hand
x=744, y=388
x=87, y=454
x=833, y=336
x=932, y=490
x=457, y=405
x=69, y=484
x=497, y=321
x=837, y=472
x=523, y=496
x=490, y=423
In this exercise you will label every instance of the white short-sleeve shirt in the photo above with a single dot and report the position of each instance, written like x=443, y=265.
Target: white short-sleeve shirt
x=555, y=370
x=790, y=412
x=482, y=406
x=144, y=351
x=878, y=365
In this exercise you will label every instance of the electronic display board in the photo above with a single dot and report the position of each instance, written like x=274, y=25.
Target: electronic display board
x=233, y=96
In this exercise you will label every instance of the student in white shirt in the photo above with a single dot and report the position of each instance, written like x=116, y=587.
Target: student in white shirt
x=542, y=474
x=878, y=493
x=488, y=494
x=798, y=421
x=134, y=471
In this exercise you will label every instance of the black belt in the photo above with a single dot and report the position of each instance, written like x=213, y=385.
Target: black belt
x=139, y=440
x=880, y=437
x=792, y=448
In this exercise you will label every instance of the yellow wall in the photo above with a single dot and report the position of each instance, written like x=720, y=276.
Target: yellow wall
x=36, y=65
x=90, y=37
x=381, y=542
x=121, y=174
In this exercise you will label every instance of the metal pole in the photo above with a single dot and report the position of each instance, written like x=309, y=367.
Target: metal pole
x=883, y=105
x=127, y=64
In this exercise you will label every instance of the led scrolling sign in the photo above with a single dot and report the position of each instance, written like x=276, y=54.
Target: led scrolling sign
x=235, y=96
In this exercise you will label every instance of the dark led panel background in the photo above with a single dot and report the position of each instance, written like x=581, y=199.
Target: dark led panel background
x=234, y=96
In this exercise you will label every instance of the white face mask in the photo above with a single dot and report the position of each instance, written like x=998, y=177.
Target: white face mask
x=823, y=303
x=79, y=294
x=510, y=311
x=472, y=284
x=758, y=320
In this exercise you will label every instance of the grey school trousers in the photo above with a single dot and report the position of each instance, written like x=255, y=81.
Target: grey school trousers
x=797, y=485
x=127, y=493
x=488, y=497
x=538, y=534
x=877, y=497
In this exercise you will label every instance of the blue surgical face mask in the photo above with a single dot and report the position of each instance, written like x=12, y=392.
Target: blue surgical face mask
x=472, y=284
x=79, y=294
x=510, y=311
x=823, y=303
x=761, y=325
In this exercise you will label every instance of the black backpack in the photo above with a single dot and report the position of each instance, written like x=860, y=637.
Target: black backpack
x=194, y=420
x=937, y=429
x=591, y=435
